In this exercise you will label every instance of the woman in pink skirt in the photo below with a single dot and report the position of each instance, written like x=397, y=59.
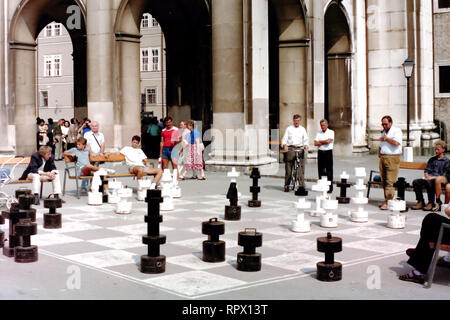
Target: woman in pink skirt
x=195, y=159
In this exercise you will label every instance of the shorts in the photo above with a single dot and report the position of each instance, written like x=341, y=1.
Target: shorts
x=85, y=172
x=169, y=153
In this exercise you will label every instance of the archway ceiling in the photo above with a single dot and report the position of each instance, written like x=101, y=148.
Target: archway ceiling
x=337, y=32
x=291, y=19
x=37, y=14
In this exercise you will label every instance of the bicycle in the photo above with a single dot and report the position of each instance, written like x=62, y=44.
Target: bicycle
x=294, y=181
x=5, y=199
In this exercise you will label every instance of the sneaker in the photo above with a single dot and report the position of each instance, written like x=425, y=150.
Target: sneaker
x=418, y=206
x=442, y=263
x=436, y=207
x=429, y=207
x=410, y=252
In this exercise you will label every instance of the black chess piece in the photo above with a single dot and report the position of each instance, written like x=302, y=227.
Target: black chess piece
x=249, y=260
x=52, y=219
x=103, y=188
x=213, y=248
x=255, y=189
x=233, y=211
x=25, y=252
x=329, y=270
x=153, y=262
x=343, y=195
x=301, y=192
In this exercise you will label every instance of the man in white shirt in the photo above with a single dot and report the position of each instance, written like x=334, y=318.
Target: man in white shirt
x=389, y=153
x=325, y=142
x=138, y=163
x=295, y=139
x=95, y=140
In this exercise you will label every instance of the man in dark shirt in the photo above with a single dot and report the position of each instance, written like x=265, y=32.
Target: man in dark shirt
x=435, y=175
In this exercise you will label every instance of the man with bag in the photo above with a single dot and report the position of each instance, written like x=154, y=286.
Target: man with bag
x=95, y=140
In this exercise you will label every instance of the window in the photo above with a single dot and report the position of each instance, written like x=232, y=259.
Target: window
x=57, y=28
x=144, y=60
x=52, y=66
x=48, y=30
x=444, y=79
x=47, y=66
x=151, y=96
x=44, y=99
x=145, y=20
x=443, y=4
x=154, y=22
x=155, y=59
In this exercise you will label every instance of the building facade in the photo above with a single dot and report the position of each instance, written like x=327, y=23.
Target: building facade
x=241, y=67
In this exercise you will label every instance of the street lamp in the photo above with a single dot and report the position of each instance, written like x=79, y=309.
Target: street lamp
x=408, y=68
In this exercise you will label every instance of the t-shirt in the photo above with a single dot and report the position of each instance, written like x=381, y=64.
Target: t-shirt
x=389, y=149
x=83, y=157
x=153, y=130
x=133, y=156
x=322, y=136
x=195, y=135
x=170, y=136
x=95, y=147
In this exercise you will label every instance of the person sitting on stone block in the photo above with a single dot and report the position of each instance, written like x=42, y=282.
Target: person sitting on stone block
x=42, y=166
x=435, y=176
x=82, y=163
x=138, y=163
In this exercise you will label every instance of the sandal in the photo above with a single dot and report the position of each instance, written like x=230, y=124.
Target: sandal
x=414, y=278
x=202, y=178
x=182, y=178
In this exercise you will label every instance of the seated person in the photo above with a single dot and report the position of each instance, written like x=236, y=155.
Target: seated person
x=435, y=172
x=42, y=165
x=420, y=257
x=138, y=163
x=82, y=165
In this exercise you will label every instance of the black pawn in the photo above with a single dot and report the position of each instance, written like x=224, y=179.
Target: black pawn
x=213, y=248
x=249, y=260
x=52, y=219
x=17, y=212
x=329, y=270
x=233, y=211
x=153, y=262
x=25, y=252
x=343, y=196
x=103, y=188
x=255, y=189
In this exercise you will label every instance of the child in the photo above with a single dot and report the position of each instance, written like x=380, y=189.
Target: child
x=83, y=164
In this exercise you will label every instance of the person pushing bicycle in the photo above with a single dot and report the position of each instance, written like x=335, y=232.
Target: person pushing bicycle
x=295, y=141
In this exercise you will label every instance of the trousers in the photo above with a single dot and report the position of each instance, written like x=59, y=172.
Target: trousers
x=418, y=184
x=36, y=184
x=289, y=159
x=389, y=167
x=325, y=165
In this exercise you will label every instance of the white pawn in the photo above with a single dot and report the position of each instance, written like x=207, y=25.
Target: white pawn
x=166, y=191
x=323, y=185
x=396, y=220
x=359, y=216
x=113, y=190
x=95, y=198
x=176, y=190
x=329, y=220
x=124, y=206
x=301, y=225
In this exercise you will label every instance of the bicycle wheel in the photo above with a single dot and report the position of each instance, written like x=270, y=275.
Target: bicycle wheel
x=294, y=178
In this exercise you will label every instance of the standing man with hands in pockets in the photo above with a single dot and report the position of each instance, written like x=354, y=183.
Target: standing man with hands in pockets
x=325, y=142
x=389, y=153
x=295, y=139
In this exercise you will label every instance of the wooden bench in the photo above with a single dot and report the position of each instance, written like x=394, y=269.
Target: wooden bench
x=15, y=161
x=403, y=165
x=70, y=164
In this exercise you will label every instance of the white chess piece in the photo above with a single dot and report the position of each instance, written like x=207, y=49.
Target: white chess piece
x=124, y=206
x=233, y=174
x=176, y=190
x=95, y=198
x=396, y=220
x=323, y=185
x=360, y=215
x=113, y=189
x=143, y=185
x=329, y=219
x=166, y=191
x=301, y=225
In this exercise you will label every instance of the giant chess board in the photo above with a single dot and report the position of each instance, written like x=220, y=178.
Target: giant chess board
x=97, y=238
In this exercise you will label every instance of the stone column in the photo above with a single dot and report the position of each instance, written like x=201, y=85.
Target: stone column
x=100, y=49
x=129, y=91
x=23, y=55
x=387, y=50
x=228, y=88
x=3, y=117
x=359, y=92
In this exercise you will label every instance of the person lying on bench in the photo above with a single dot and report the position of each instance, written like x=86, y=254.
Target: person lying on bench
x=420, y=257
x=138, y=163
x=435, y=172
x=42, y=166
x=83, y=166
